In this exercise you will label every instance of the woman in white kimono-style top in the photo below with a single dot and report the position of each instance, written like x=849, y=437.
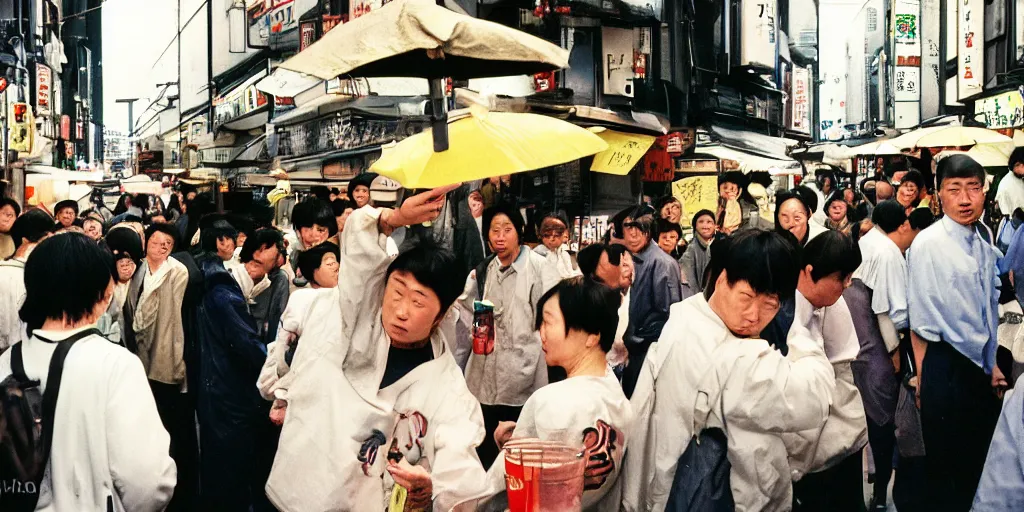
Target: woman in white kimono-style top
x=340, y=427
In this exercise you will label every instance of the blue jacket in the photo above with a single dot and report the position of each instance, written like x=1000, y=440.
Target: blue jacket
x=231, y=355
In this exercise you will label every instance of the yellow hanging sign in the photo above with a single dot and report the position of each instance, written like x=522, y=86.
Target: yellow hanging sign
x=623, y=153
x=697, y=193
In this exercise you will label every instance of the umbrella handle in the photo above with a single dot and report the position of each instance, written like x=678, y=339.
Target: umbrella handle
x=438, y=115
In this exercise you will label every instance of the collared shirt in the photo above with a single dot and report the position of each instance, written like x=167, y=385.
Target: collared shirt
x=953, y=291
x=884, y=270
x=656, y=286
x=1010, y=194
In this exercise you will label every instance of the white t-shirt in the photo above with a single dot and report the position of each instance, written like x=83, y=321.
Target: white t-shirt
x=1010, y=194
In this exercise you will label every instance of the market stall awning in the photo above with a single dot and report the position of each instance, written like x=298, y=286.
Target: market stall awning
x=752, y=142
x=376, y=106
x=749, y=161
x=55, y=173
x=584, y=115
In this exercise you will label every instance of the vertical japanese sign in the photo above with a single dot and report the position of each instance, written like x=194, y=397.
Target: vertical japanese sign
x=801, y=100
x=44, y=86
x=759, y=34
x=970, y=47
x=906, y=77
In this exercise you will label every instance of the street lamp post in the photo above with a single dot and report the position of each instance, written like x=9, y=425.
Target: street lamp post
x=131, y=127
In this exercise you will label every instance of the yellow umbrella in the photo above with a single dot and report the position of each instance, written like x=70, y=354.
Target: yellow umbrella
x=486, y=144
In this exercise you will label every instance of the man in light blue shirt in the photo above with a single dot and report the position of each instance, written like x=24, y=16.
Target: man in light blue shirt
x=953, y=307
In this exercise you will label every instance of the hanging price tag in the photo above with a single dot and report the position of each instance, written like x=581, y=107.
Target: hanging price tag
x=624, y=151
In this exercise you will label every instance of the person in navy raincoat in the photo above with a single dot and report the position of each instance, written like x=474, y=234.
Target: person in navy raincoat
x=238, y=439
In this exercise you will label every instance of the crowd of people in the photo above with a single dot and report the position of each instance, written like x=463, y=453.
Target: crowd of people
x=223, y=363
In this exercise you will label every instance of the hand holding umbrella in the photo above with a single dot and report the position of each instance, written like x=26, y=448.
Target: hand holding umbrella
x=420, y=208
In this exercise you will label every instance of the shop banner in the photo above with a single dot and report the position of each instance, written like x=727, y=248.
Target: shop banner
x=697, y=193
x=801, y=100
x=906, y=83
x=1004, y=110
x=906, y=74
x=970, y=55
x=758, y=34
x=44, y=85
x=623, y=153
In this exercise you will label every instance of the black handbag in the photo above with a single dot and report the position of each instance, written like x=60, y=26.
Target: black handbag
x=701, y=482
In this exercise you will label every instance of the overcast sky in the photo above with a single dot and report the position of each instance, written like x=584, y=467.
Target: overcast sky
x=135, y=32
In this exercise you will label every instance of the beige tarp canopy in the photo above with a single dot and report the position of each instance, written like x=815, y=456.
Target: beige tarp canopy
x=417, y=38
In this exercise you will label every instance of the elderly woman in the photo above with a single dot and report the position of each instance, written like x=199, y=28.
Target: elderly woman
x=577, y=320
x=670, y=209
x=126, y=248
x=9, y=211
x=911, y=190
x=793, y=214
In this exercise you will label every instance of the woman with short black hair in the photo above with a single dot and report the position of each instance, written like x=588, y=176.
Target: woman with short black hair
x=9, y=211
x=577, y=320
x=110, y=448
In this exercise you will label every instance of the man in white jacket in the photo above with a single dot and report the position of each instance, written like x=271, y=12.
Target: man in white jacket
x=110, y=450
x=378, y=407
x=765, y=393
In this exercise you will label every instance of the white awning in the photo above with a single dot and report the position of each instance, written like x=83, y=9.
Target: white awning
x=284, y=83
x=55, y=173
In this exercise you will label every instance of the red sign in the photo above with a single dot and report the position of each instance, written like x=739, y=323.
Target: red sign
x=79, y=130
x=65, y=127
x=544, y=81
x=44, y=84
x=657, y=163
x=284, y=102
x=3, y=84
x=307, y=35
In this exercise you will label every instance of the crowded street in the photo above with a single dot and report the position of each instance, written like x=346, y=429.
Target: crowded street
x=553, y=256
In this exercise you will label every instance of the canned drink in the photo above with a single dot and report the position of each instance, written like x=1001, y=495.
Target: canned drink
x=483, y=327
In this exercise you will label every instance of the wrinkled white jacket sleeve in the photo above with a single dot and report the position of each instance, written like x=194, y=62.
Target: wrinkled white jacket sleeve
x=141, y=468
x=786, y=394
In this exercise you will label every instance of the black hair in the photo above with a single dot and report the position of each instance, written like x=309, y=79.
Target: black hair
x=889, y=215
x=643, y=218
x=587, y=306
x=197, y=208
x=262, y=239
x=124, y=242
x=122, y=204
x=311, y=259
x=698, y=215
x=73, y=266
x=810, y=199
x=6, y=201
x=507, y=210
x=921, y=218
x=215, y=227
x=130, y=218
x=832, y=252
x=338, y=206
x=768, y=261
x=664, y=226
x=959, y=166
x=335, y=191
x=314, y=211
x=141, y=201
x=665, y=200
x=432, y=266
x=834, y=198
x=1016, y=157
x=781, y=199
x=735, y=177
x=321, y=192
x=166, y=229
x=33, y=226
x=590, y=256
x=914, y=176
x=174, y=204
x=617, y=220
x=365, y=179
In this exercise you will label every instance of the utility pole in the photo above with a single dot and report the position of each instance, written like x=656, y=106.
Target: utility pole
x=131, y=129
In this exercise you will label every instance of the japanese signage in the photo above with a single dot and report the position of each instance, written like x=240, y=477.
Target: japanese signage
x=906, y=74
x=270, y=21
x=151, y=161
x=1005, y=110
x=339, y=133
x=698, y=192
x=679, y=142
x=44, y=86
x=22, y=128
x=307, y=35
x=758, y=36
x=239, y=102
x=801, y=100
x=970, y=47
x=624, y=151
x=617, y=45
x=906, y=83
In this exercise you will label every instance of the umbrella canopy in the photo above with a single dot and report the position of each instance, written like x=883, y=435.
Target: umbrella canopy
x=951, y=136
x=486, y=144
x=985, y=154
x=417, y=38
x=877, y=148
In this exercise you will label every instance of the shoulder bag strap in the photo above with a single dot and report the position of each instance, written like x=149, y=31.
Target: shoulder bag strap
x=53, y=380
x=18, y=363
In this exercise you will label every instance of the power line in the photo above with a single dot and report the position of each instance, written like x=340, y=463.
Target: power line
x=83, y=13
